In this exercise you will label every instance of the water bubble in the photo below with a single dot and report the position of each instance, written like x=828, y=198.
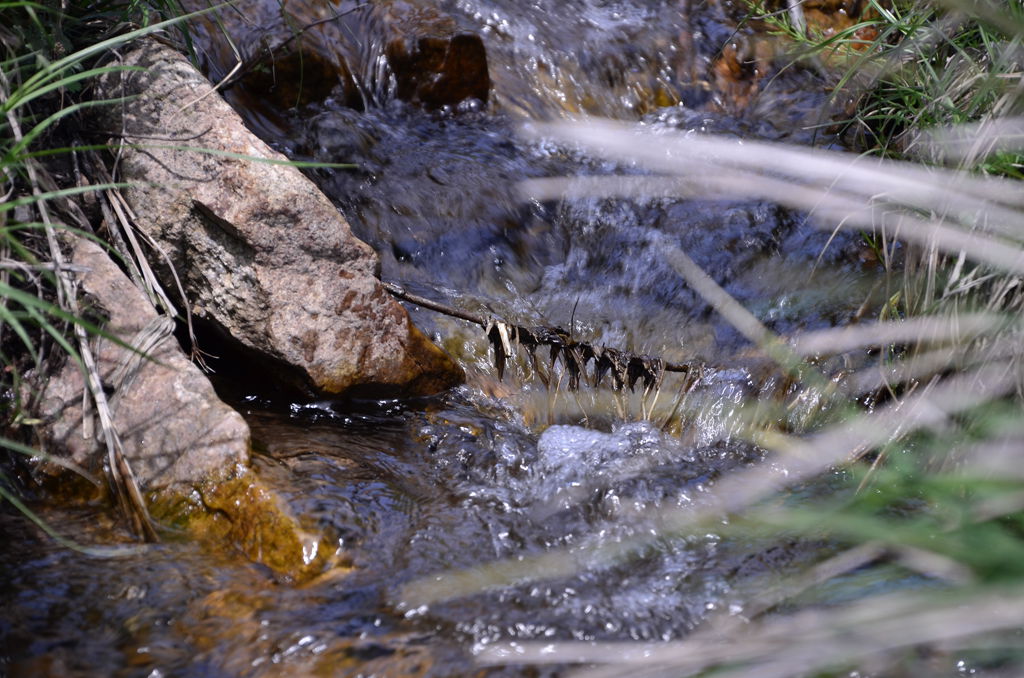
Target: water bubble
x=965, y=669
x=310, y=547
x=417, y=612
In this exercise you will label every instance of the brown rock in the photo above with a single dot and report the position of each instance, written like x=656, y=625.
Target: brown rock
x=262, y=253
x=433, y=63
x=175, y=430
x=294, y=53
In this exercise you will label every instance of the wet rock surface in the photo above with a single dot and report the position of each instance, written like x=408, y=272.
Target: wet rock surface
x=248, y=515
x=262, y=254
x=358, y=54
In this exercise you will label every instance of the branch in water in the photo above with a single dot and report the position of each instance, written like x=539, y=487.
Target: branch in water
x=624, y=368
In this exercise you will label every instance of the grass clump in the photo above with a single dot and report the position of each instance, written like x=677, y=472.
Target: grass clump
x=904, y=70
x=950, y=66
x=49, y=53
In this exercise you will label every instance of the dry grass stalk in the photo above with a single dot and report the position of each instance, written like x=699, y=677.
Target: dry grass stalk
x=125, y=486
x=812, y=639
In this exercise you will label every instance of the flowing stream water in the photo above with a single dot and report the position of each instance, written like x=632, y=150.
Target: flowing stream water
x=496, y=469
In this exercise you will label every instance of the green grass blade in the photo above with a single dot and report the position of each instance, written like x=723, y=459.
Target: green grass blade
x=15, y=152
x=104, y=46
x=26, y=4
x=62, y=193
x=50, y=152
x=301, y=164
x=93, y=551
x=241, y=156
x=32, y=303
x=11, y=319
x=20, y=448
x=57, y=335
x=23, y=95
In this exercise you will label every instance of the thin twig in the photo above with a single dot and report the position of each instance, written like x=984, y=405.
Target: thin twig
x=243, y=69
x=625, y=368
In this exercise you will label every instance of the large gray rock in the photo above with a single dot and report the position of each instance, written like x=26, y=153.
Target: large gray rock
x=262, y=253
x=175, y=431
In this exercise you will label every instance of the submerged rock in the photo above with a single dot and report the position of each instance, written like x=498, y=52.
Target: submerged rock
x=263, y=255
x=254, y=518
x=357, y=53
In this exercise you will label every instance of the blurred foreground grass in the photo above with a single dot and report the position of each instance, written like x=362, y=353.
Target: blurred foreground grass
x=924, y=442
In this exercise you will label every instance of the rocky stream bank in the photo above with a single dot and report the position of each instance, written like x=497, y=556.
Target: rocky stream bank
x=267, y=265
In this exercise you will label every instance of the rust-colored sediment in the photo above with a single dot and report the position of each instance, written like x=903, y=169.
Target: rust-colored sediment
x=244, y=513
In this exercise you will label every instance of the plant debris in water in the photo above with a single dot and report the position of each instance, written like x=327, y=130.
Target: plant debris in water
x=581, y=359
